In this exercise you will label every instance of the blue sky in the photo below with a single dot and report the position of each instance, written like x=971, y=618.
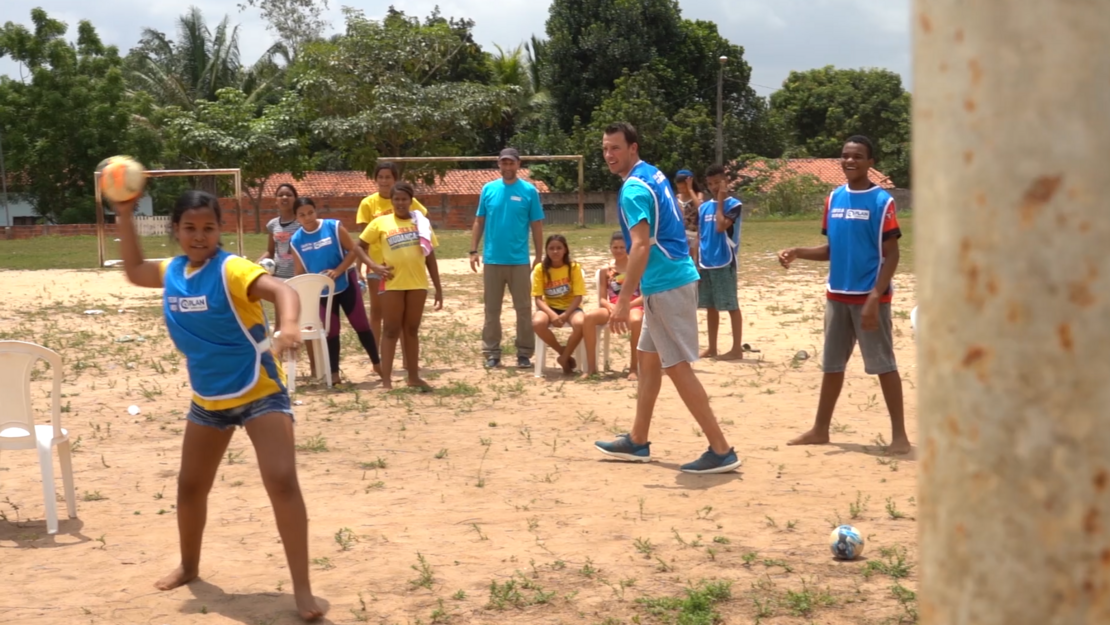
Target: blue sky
x=777, y=35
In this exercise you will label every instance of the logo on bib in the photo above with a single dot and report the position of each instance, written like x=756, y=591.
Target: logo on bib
x=857, y=213
x=197, y=303
x=516, y=198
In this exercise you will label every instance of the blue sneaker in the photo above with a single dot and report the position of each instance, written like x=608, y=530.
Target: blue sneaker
x=710, y=462
x=625, y=449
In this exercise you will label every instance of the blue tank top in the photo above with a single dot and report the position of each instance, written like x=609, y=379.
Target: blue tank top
x=854, y=226
x=668, y=231
x=321, y=250
x=222, y=356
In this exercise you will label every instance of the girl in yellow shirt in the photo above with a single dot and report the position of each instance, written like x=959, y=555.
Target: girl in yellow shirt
x=558, y=286
x=395, y=239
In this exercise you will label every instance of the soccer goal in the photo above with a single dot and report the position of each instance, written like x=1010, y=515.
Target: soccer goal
x=471, y=159
x=151, y=232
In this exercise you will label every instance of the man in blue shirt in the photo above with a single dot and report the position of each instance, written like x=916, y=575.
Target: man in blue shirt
x=508, y=209
x=719, y=244
x=659, y=264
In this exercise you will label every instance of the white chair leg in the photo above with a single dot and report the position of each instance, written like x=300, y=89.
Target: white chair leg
x=324, y=357
x=65, y=459
x=606, y=338
x=46, y=466
x=580, y=354
x=541, y=357
x=291, y=372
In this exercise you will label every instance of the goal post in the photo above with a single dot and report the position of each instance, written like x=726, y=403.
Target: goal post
x=470, y=159
x=101, y=244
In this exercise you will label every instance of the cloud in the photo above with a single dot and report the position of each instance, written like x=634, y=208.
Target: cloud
x=777, y=35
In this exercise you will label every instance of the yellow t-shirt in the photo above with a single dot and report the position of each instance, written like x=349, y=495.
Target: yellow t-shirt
x=373, y=206
x=240, y=274
x=559, y=286
x=397, y=243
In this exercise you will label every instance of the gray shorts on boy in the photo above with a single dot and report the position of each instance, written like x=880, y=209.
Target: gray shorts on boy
x=843, y=331
x=717, y=289
x=671, y=325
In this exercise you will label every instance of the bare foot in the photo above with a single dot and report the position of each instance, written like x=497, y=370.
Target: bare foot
x=709, y=353
x=812, y=437
x=419, y=384
x=179, y=577
x=732, y=354
x=567, y=363
x=377, y=369
x=387, y=384
x=899, y=447
x=632, y=377
x=306, y=605
x=586, y=375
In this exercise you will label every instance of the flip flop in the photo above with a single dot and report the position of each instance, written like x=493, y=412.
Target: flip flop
x=748, y=348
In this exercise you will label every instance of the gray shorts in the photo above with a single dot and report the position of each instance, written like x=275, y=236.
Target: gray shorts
x=842, y=331
x=671, y=325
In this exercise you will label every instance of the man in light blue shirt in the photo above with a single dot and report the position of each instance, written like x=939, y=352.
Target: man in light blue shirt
x=508, y=210
x=659, y=264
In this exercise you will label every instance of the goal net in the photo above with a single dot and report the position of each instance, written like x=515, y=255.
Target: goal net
x=154, y=231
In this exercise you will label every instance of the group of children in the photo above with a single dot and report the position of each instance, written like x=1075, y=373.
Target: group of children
x=213, y=313
x=397, y=245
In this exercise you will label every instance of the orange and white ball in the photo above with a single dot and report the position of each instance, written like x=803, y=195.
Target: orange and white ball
x=122, y=178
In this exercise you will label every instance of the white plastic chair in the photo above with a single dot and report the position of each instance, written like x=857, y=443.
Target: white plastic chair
x=541, y=357
x=604, y=338
x=913, y=321
x=17, y=421
x=309, y=287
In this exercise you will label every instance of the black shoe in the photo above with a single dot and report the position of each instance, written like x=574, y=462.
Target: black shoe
x=523, y=362
x=493, y=363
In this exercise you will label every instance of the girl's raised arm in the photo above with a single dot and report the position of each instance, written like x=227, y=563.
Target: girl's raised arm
x=140, y=272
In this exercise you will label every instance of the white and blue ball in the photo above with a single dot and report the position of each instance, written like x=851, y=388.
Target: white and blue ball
x=269, y=265
x=846, y=543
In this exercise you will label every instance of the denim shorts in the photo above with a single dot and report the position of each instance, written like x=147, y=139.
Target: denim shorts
x=240, y=415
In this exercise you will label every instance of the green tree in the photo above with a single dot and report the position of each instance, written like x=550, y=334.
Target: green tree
x=70, y=115
x=821, y=108
x=295, y=22
x=226, y=133
x=396, y=87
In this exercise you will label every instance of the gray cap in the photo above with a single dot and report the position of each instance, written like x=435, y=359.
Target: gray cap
x=510, y=153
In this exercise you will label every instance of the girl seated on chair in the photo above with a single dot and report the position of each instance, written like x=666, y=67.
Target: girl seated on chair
x=214, y=317
x=559, y=289
x=609, y=289
x=405, y=241
x=324, y=246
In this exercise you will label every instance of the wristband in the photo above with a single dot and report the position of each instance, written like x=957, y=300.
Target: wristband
x=473, y=251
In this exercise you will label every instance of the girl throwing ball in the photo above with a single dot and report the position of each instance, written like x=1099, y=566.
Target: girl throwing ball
x=211, y=303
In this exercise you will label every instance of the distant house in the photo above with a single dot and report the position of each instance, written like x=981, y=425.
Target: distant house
x=317, y=184
x=827, y=170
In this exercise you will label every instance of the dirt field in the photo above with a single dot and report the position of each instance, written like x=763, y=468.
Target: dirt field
x=483, y=503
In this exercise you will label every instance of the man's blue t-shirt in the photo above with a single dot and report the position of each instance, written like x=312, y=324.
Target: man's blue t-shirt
x=662, y=273
x=714, y=248
x=509, y=210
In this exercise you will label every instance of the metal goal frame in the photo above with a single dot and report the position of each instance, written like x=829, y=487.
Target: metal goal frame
x=470, y=159
x=101, y=246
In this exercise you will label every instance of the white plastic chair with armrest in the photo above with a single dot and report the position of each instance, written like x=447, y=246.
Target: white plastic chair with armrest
x=541, y=355
x=17, y=421
x=309, y=287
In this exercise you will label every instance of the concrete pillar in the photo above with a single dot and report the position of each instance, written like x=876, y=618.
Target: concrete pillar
x=1011, y=156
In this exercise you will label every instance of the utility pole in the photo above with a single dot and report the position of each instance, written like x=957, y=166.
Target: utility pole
x=1010, y=128
x=720, y=111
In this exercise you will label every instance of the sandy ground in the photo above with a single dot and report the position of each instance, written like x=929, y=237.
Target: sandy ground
x=493, y=480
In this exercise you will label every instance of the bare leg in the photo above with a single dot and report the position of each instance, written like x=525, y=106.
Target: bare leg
x=736, y=320
x=201, y=453
x=272, y=436
x=647, y=391
x=636, y=322
x=375, y=309
x=693, y=394
x=567, y=360
x=410, y=333
x=393, y=304
x=831, y=385
x=590, y=326
x=540, y=324
x=714, y=322
x=891, y=383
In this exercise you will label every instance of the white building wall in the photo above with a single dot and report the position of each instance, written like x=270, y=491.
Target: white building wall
x=18, y=207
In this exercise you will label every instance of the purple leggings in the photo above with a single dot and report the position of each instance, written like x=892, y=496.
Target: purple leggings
x=350, y=300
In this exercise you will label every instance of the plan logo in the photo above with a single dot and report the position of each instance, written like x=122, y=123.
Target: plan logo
x=198, y=303
x=857, y=213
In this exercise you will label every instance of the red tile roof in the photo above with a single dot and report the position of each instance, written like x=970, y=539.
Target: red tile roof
x=357, y=184
x=825, y=169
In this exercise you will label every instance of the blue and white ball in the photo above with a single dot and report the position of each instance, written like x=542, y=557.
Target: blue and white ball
x=846, y=543
x=269, y=265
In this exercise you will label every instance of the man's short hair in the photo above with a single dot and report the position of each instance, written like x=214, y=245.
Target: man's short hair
x=715, y=170
x=626, y=129
x=865, y=142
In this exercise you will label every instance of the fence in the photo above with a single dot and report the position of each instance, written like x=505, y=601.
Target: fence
x=567, y=214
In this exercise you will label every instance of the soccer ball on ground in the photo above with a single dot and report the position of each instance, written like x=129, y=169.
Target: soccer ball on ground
x=122, y=178
x=269, y=265
x=846, y=543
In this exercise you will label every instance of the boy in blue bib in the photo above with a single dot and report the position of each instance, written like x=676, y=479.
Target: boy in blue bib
x=214, y=316
x=719, y=246
x=862, y=252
